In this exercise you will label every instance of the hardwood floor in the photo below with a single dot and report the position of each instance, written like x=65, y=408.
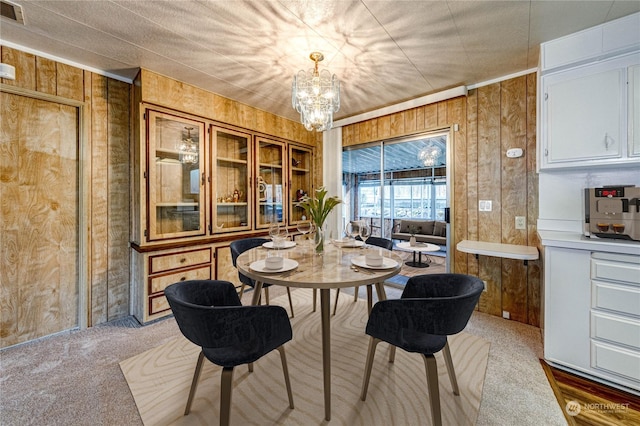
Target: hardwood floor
x=585, y=402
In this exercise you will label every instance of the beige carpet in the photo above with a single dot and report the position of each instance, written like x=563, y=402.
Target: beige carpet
x=159, y=379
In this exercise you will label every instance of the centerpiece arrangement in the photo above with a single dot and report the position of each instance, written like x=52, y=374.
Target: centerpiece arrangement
x=317, y=209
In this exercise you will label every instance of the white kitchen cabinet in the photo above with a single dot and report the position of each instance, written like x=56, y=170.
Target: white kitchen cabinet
x=592, y=312
x=585, y=115
x=634, y=110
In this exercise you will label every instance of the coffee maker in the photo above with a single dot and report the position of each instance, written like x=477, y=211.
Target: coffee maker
x=612, y=212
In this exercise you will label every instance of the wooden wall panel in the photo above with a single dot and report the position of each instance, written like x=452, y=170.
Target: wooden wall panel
x=69, y=82
x=534, y=270
x=489, y=162
x=118, y=207
x=456, y=114
x=160, y=90
x=46, y=76
x=513, y=134
x=430, y=116
x=99, y=200
x=472, y=180
x=25, y=64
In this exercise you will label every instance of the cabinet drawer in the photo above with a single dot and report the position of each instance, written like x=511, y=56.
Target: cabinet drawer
x=615, y=297
x=167, y=262
x=157, y=301
x=616, y=271
x=157, y=284
x=615, y=360
x=625, y=331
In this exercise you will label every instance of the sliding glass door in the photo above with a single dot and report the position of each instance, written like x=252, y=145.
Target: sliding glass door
x=385, y=182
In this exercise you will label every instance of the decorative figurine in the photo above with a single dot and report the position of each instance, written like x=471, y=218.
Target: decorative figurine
x=236, y=196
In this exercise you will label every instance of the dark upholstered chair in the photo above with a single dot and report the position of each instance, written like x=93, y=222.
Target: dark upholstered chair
x=431, y=308
x=210, y=315
x=374, y=241
x=240, y=246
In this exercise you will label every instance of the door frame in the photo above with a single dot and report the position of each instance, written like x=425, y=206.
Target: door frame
x=84, y=195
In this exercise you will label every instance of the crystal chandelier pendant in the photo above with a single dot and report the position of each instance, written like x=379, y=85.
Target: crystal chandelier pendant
x=188, y=149
x=316, y=96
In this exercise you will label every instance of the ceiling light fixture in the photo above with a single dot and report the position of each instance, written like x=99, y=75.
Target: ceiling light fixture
x=316, y=96
x=430, y=154
x=188, y=148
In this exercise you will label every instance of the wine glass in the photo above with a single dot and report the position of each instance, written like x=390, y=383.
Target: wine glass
x=274, y=230
x=364, y=232
x=283, y=235
x=304, y=228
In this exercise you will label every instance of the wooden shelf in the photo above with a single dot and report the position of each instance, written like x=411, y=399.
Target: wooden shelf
x=240, y=203
x=231, y=160
x=297, y=169
x=177, y=204
x=509, y=251
x=271, y=166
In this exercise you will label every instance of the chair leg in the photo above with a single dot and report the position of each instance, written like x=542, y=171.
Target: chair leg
x=194, y=382
x=369, y=298
x=335, y=305
x=432, y=383
x=225, y=396
x=355, y=294
x=290, y=300
x=367, y=367
x=315, y=297
x=452, y=372
x=287, y=382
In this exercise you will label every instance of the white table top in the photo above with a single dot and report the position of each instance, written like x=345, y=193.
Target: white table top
x=421, y=247
x=510, y=251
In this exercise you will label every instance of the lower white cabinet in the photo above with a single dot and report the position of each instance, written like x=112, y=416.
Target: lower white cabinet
x=592, y=313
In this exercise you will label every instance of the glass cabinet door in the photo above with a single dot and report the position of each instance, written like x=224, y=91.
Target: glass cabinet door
x=174, y=180
x=231, y=176
x=300, y=180
x=270, y=183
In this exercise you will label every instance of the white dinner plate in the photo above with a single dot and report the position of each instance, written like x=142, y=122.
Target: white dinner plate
x=348, y=243
x=287, y=265
x=285, y=245
x=386, y=263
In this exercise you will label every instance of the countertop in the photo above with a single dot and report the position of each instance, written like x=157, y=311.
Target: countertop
x=574, y=240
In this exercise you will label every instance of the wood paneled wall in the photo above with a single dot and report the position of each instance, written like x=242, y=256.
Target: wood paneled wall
x=491, y=119
x=164, y=91
x=107, y=127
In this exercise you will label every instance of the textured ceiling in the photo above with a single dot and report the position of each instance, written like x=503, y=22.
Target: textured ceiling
x=383, y=52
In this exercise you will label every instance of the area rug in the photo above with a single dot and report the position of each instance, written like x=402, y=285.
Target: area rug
x=159, y=379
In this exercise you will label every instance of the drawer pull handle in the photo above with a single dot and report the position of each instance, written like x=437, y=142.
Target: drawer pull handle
x=183, y=278
x=183, y=260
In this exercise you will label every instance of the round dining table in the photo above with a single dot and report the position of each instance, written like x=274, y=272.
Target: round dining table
x=337, y=267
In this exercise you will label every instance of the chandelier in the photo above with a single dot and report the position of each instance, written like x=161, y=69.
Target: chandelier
x=430, y=154
x=188, y=148
x=316, y=96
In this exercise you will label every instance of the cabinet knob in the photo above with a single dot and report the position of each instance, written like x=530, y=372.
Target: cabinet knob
x=608, y=141
x=183, y=260
x=183, y=278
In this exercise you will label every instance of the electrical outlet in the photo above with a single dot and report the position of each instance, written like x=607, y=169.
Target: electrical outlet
x=505, y=314
x=485, y=285
x=521, y=222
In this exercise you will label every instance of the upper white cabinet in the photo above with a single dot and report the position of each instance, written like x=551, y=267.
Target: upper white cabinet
x=588, y=97
x=634, y=110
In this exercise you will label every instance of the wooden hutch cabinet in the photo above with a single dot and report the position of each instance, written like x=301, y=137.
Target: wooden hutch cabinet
x=199, y=184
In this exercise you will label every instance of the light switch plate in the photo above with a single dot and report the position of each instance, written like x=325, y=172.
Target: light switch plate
x=484, y=205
